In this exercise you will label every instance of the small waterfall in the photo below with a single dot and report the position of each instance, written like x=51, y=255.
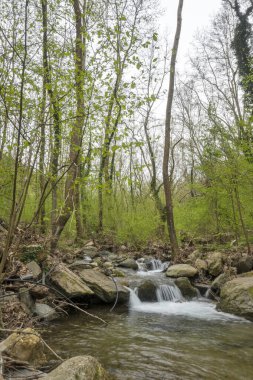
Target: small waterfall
x=142, y=267
x=133, y=299
x=169, y=293
x=157, y=265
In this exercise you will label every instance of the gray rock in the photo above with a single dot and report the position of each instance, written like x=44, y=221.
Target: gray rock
x=69, y=283
x=104, y=288
x=80, y=264
x=188, y=291
x=87, y=251
x=181, y=270
x=147, y=291
x=201, y=265
x=215, y=263
x=79, y=368
x=129, y=263
x=237, y=297
x=45, y=312
x=219, y=282
x=245, y=264
x=34, y=268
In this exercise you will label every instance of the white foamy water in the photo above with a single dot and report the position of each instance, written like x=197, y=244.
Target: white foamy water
x=169, y=293
x=192, y=309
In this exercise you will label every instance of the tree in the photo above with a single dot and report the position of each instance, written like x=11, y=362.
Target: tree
x=167, y=180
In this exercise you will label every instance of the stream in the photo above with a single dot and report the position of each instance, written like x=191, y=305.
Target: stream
x=167, y=339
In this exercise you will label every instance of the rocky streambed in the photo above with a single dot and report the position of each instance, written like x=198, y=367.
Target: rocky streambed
x=168, y=312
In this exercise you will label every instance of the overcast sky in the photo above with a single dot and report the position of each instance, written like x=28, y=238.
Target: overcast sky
x=196, y=15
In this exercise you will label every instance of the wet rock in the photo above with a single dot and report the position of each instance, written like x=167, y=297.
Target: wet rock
x=244, y=265
x=181, y=270
x=118, y=273
x=219, y=282
x=215, y=263
x=129, y=263
x=45, y=312
x=104, y=287
x=237, y=297
x=188, y=291
x=147, y=291
x=202, y=288
x=25, y=346
x=78, y=368
x=69, y=283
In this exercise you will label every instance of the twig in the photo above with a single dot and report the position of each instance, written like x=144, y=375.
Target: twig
x=86, y=312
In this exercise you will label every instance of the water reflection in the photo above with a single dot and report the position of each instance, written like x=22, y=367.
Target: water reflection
x=141, y=345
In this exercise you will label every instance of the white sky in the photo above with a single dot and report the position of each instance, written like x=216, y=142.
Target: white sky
x=196, y=15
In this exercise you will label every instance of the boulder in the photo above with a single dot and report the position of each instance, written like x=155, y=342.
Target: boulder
x=69, y=283
x=129, y=263
x=201, y=265
x=34, y=268
x=45, y=312
x=237, y=297
x=147, y=291
x=219, y=282
x=188, y=291
x=90, y=251
x=78, y=368
x=181, y=270
x=80, y=264
x=104, y=288
x=39, y=291
x=193, y=256
x=244, y=265
x=215, y=263
x=25, y=346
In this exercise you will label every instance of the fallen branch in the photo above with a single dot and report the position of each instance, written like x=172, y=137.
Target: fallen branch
x=86, y=312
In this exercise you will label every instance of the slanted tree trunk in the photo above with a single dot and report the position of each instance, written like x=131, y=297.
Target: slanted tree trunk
x=167, y=180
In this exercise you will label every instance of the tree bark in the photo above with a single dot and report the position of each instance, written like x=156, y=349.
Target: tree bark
x=76, y=133
x=167, y=180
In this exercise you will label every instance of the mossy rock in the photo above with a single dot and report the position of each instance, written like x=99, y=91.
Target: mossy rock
x=237, y=297
x=188, y=291
x=181, y=270
x=79, y=367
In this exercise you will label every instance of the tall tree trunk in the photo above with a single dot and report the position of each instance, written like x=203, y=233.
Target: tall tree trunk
x=77, y=130
x=167, y=180
x=14, y=208
x=42, y=211
x=55, y=114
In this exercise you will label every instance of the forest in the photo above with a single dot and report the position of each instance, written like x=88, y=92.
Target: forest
x=106, y=141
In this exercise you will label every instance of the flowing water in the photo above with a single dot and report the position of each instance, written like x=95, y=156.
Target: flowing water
x=169, y=339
